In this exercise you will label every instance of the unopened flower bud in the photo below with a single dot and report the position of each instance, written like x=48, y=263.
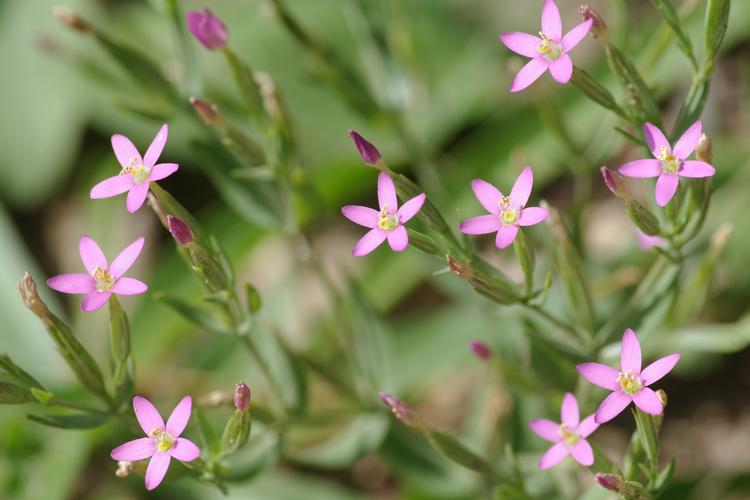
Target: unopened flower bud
x=481, y=349
x=610, y=482
x=242, y=397
x=459, y=268
x=628, y=490
x=401, y=410
x=180, y=230
x=662, y=396
x=71, y=19
x=207, y=29
x=614, y=181
x=366, y=150
x=705, y=150
x=124, y=468
x=208, y=112
x=598, y=26
x=30, y=297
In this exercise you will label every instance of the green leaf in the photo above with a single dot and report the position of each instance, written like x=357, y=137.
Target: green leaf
x=253, y=298
x=120, y=355
x=208, y=435
x=455, y=451
x=200, y=317
x=669, y=14
x=43, y=397
x=22, y=376
x=82, y=421
x=526, y=259
x=357, y=438
x=13, y=394
x=640, y=98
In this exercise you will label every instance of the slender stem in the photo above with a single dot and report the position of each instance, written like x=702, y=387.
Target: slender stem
x=74, y=405
x=568, y=328
x=265, y=368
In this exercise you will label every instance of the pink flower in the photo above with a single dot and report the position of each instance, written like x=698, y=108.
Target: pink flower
x=648, y=242
x=207, y=29
x=669, y=164
x=569, y=436
x=102, y=280
x=137, y=172
x=163, y=441
x=506, y=213
x=388, y=222
x=630, y=383
x=547, y=51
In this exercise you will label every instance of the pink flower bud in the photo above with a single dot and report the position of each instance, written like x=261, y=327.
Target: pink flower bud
x=180, y=230
x=704, y=151
x=242, y=397
x=207, y=29
x=400, y=410
x=209, y=113
x=614, y=181
x=481, y=349
x=598, y=26
x=611, y=482
x=367, y=151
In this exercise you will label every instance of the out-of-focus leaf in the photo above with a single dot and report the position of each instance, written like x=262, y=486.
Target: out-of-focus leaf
x=82, y=421
x=361, y=436
x=454, y=450
x=200, y=317
x=14, y=394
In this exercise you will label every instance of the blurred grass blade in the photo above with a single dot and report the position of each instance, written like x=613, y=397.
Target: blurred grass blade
x=198, y=316
x=455, y=451
x=596, y=92
x=14, y=394
x=669, y=14
x=122, y=360
x=21, y=375
x=82, y=421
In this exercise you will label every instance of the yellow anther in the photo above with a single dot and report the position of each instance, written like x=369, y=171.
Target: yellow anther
x=104, y=281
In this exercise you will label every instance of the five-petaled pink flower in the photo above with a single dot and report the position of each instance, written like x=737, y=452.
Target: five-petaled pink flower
x=137, y=172
x=386, y=223
x=506, y=213
x=547, y=51
x=163, y=441
x=207, y=29
x=669, y=164
x=630, y=383
x=102, y=280
x=569, y=436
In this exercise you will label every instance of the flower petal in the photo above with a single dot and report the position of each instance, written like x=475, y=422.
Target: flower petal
x=411, y=207
x=387, y=192
x=364, y=216
x=582, y=453
x=138, y=449
x=125, y=151
x=599, y=374
x=91, y=255
x=137, y=196
x=561, y=69
x=666, y=187
x=482, y=224
x=655, y=139
x=488, y=195
x=72, y=283
x=553, y=456
x=126, y=258
x=162, y=170
x=687, y=143
x=398, y=239
x=147, y=415
x=546, y=429
x=587, y=426
x=180, y=416
x=112, y=186
x=157, y=469
x=569, y=414
x=94, y=300
x=129, y=286
x=551, y=22
x=611, y=406
x=521, y=43
x=630, y=353
x=369, y=242
x=647, y=401
x=185, y=450
x=694, y=168
x=156, y=147
x=521, y=190
x=575, y=35
x=659, y=368
x=505, y=236
x=641, y=168
x=532, y=215
x=531, y=71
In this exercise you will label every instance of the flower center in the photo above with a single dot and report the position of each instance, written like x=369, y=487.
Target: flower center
x=508, y=214
x=138, y=171
x=669, y=163
x=163, y=440
x=629, y=383
x=104, y=281
x=569, y=436
x=549, y=48
x=387, y=221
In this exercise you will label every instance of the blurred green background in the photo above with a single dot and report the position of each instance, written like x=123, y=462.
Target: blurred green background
x=439, y=63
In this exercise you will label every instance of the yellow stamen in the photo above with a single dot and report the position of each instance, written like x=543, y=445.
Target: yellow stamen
x=387, y=221
x=164, y=441
x=137, y=170
x=508, y=214
x=629, y=383
x=669, y=163
x=549, y=48
x=104, y=281
x=570, y=437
